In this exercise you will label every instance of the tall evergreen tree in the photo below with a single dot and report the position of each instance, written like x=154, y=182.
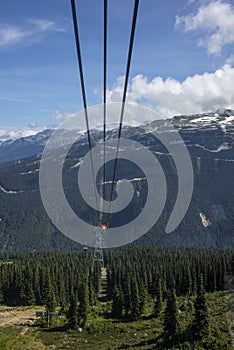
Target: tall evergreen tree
x=135, y=300
x=1, y=293
x=201, y=320
x=170, y=324
x=117, y=304
x=29, y=294
x=127, y=294
x=91, y=291
x=50, y=302
x=73, y=312
x=158, y=299
x=143, y=297
x=50, y=298
x=83, y=304
x=187, y=281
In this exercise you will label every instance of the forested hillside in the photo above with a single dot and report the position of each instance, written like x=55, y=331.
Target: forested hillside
x=25, y=225
x=170, y=286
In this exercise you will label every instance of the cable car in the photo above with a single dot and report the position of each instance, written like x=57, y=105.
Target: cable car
x=103, y=227
x=85, y=249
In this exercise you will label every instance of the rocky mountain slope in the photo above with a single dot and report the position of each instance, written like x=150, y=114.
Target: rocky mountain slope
x=209, y=221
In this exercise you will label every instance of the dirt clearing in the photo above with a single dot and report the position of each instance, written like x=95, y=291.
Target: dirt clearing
x=13, y=316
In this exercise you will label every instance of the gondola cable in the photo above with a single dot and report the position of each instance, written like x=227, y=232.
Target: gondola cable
x=104, y=100
x=79, y=57
x=134, y=19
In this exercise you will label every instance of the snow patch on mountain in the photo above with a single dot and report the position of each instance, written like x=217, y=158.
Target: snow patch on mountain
x=204, y=119
x=223, y=147
x=30, y=172
x=7, y=134
x=208, y=119
x=223, y=119
x=227, y=120
x=4, y=190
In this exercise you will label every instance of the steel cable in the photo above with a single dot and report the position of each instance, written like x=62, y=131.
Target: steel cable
x=134, y=19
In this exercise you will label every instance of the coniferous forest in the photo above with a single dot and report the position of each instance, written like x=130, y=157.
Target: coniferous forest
x=176, y=289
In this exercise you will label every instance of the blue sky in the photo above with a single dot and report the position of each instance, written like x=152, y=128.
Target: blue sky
x=182, y=60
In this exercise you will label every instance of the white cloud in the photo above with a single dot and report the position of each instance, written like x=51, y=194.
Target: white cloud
x=44, y=25
x=196, y=94
x=60, y=116
x=133, y=115
x=33, y=125
x=215, y=20
x=13, y=99
x=230, y=60
x=11, y=35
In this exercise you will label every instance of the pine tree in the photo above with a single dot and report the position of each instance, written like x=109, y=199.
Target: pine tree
x=187, y=282
x=50, y=302
x=143, y=297
x=29, y=294
x=201, y=320
x=73, y=312
x=127, y=295
x=158, y=299
x=50, y=298
x=36, y=285
x=92, y=296
x=135, y=301
x=83, y=304
x=1, y=293
x=117, y=304
x=97, y=278
x=109, y=283
x=170, y=324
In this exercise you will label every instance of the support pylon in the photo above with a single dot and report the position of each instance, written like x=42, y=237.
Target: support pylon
x=99, y=244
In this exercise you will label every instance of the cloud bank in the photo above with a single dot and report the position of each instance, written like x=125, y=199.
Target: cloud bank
x=196, y=94
x=214, y=22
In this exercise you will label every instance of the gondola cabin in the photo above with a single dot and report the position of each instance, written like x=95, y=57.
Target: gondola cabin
x=85, y=249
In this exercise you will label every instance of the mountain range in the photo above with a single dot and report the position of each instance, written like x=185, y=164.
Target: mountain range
x=209, y=220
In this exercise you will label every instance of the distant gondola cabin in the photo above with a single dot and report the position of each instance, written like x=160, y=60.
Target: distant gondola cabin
x=85, y=249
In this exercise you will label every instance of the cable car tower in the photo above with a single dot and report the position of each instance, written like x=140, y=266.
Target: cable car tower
x=99, y=243
x=102, y=228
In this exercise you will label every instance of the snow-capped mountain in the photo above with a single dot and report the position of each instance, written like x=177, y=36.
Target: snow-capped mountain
x=221, y=119
x=22, y=147
x=12, y=134
x=209, y=221
x=25, y=143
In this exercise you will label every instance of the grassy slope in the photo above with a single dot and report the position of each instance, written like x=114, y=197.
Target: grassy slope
x=109, y=334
